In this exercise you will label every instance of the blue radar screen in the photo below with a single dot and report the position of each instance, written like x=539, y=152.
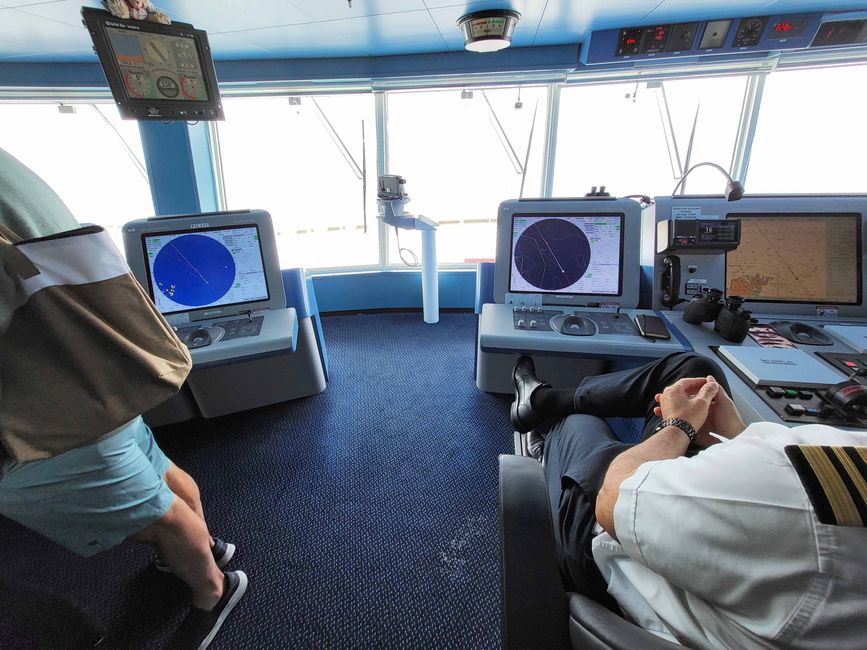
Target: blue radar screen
x=552, y=254
x=194, y=270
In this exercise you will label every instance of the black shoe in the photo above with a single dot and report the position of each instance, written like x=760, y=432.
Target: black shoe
x=200, y=626
x=536, y=445
x=523, y=416
x=223, y=553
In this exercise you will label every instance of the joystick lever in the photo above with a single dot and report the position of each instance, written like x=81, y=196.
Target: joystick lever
x=848, y=398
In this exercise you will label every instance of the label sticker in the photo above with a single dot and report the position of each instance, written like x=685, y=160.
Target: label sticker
x=685, y=213
x=826, y=311
x=694, y=286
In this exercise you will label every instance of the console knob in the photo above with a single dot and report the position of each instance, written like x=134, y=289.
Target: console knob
x=521, y=322
x=532, y=323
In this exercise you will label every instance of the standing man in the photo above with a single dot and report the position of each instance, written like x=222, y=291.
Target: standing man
x=120, y=487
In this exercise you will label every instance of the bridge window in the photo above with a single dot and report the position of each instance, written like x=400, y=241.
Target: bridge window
x=639, y=137
x=87, y=154
x=811, y=134
x=301, y=159
x=462, y=152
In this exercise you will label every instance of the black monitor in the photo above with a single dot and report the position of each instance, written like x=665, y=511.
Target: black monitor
x=205, y=268
x=575, y=254
x=155, y=71
x=207, y=265
x=797, y=258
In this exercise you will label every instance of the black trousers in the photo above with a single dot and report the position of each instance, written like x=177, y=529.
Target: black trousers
x=579, y=448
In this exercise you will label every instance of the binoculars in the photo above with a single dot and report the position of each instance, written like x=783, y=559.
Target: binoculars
x=730, y=319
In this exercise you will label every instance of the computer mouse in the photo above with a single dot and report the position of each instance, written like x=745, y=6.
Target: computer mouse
x=575, y=325
x=198, y=338
x=801, y=333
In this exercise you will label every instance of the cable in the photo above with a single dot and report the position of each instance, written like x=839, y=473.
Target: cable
x=400, y=251
x=734, y=189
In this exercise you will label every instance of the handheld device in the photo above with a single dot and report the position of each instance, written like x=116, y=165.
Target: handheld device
x=652, y=327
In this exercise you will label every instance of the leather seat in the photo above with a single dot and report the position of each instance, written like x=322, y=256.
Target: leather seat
x=537, y=612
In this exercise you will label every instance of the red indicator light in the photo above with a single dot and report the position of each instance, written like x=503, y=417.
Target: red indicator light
x=783, y=27
x=630, y=41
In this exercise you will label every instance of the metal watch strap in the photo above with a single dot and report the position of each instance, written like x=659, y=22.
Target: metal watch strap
x=681, y=424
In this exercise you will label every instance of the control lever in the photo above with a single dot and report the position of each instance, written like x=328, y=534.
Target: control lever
x=848, y=398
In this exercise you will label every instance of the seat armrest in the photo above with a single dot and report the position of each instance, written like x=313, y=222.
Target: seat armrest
x=535, y=610
x=592, y=625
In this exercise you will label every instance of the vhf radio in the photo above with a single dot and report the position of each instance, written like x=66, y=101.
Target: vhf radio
x=729, y=317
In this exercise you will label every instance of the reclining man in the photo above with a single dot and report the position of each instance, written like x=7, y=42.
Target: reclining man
x=120, y=487
x=756, y=540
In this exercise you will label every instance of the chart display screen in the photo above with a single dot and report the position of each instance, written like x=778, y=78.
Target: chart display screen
x=797, y=258
x=158, y=66
x=567, y=254
x=205, y=268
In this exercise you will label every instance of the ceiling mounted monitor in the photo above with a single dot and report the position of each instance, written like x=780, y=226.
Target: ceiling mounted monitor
x=155, y=71
x=488, y=31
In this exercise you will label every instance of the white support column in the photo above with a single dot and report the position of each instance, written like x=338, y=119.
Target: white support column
x=549, y=154
x=381, y=103
x=747, y=127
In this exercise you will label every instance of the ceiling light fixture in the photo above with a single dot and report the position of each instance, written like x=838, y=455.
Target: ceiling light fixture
x=488, y=31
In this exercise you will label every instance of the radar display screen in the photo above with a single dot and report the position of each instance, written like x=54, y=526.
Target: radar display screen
x=797, y=258
x=576, y=254
x=158, y=66
x=205, y=268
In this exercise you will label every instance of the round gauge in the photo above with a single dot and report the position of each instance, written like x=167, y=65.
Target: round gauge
x=191, y=87
x=168, y=87
x=552, y=254
x=157, y=51
x=138, y=84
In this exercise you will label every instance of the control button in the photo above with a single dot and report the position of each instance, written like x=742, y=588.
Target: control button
x=851, y=364
x=791, y=393
x=805, y=394
x=533, y=323
x=812, y=411
x=795, y=409
x=775, y=391
x=520, y=323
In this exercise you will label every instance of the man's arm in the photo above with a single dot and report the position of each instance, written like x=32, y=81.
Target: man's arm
x=671, y=442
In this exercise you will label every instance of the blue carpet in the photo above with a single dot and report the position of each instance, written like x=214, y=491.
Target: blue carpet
x=365, y=516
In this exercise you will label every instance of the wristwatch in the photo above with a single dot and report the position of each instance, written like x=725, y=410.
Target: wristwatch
x=683, y=425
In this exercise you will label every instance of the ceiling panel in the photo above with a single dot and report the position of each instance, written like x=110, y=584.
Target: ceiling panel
x=24, y=33
x=400, y=33
x=64, y=11
x=446, y=19
x=22, y=3
x=291, y=41
x=340, y=10
x=231, y=15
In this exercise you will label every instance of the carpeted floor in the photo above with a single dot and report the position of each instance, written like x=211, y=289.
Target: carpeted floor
x=365, y=516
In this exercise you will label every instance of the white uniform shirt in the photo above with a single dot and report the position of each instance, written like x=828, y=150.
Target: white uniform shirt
x=725, y=550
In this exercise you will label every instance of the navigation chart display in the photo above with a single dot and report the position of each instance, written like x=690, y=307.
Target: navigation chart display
x=567, y=254
x=158, y=66
x=813, y=258
x=205, y=268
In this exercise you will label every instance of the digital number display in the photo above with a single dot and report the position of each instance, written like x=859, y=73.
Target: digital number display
x=655, y=39
x=841, y=32
x=788, y=28
x=629, y=41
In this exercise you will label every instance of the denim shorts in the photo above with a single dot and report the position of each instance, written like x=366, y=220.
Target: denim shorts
x=90, y=498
